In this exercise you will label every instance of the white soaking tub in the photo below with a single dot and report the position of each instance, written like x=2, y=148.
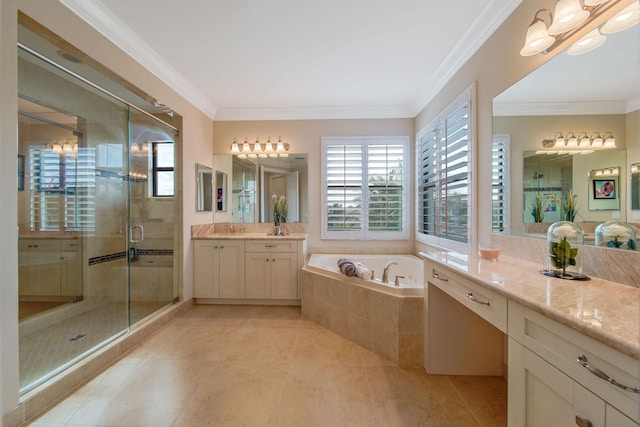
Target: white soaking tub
x=409, y=266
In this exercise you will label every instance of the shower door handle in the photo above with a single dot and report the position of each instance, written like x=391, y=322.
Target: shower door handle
x=132, y=230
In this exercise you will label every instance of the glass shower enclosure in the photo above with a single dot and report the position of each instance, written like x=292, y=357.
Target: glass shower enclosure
x=96, y=216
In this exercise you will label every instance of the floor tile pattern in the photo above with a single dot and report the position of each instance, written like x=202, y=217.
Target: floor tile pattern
x=267, y=366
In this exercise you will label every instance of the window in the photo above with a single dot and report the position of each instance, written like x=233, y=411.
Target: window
x=444, y=176
x=500, y=183
x=62, y=190
x=163, y=169
x=365, y=192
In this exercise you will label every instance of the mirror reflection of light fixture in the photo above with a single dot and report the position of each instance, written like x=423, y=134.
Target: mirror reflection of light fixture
x=139, y=149
x=626, y=18
x=66, y=148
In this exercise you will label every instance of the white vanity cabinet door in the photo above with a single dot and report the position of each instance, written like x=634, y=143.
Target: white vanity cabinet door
x=272, y=275
x=284, y=276
x=615, y=418
x=205, y=283
x=258, y=267
x=231, y=269
x=218, y=269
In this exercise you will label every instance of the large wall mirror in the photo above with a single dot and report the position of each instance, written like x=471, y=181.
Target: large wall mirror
x=580, y=95
x=255, y=181
x=204, y=184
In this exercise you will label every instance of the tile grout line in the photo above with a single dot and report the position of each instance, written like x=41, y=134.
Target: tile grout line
x=473, y=414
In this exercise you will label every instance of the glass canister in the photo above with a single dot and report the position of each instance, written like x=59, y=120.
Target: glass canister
x=616, y=234
x=565, y=246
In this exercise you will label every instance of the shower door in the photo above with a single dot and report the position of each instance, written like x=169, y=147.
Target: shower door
x=152, y=212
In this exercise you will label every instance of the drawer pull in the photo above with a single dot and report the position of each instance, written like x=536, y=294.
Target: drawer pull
x=474, y=299
x=582, y=360
x=270, y=246
x=435, y=275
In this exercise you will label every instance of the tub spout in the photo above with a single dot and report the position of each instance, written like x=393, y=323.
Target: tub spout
x=385, y=272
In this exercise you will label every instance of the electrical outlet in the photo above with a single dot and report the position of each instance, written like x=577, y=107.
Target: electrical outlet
x=636, y=214
x=616, y=214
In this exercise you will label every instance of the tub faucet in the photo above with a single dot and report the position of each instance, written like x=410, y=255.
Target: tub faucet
x=385, y=272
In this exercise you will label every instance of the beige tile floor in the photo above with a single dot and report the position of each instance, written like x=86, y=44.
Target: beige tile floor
x=267, y=366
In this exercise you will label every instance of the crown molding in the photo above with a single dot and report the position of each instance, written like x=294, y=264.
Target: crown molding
x=313, y=113
x=110, y=26
x=563, y=108
x=487, y=22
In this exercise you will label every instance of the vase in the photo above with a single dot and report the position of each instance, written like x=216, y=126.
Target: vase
x=565, y=246
x=277, y=228
x=616, y=234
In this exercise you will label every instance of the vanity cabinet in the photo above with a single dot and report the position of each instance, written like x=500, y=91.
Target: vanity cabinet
x=556, y=376
x=49, y=267
x=219, y=270
x=272, y=269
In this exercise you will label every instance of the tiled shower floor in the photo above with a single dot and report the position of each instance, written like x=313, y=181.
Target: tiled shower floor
x=267, y=366
x=42, y=351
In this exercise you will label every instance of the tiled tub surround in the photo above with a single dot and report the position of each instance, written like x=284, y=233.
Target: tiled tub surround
x=616, y=265
x=389, y=325
x=606, y=311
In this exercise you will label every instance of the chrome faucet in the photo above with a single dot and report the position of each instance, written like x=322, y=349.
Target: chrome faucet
x=385, y=272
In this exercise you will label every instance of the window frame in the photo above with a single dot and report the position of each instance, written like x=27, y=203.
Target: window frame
x=468, y=98
x=155, y=169
x=505, y=186
x=364, y=233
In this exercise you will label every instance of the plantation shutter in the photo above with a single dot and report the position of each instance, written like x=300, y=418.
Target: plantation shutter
x=444, y=182
x=343, y=169
x=500, y=183
x=386, y=183
x=62, y=190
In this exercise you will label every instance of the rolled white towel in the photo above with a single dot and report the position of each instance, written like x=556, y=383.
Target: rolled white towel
x=362, y=271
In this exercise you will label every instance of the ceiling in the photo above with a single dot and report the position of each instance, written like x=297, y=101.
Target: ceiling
x=287, y=59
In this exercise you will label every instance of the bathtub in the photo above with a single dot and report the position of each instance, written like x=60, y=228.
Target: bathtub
x=408, y=265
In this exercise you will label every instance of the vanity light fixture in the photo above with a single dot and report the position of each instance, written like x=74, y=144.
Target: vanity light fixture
x=627, y=18
x=605, y=172
x=259, y=149
x=568, y=14
x=581, y=144
x=588, y=43
x=538, y=38
x=571, y=15
x=66, y=148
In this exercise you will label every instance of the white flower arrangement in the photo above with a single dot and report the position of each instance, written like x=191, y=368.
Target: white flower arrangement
x=564, y=231
x=616, y=230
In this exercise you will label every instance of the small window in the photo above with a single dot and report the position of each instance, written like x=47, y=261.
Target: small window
x=365, y=188
x=444, y=188
x=163, y=169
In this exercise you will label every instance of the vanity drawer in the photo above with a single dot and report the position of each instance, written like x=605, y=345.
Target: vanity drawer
x=599, y=368
x=271, y=246
x=481, y=300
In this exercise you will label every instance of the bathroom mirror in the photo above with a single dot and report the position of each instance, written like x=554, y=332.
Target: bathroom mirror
x=255, y=180
x=204, y=188
x=635, y=186
x=221, y=191
x=556, y=98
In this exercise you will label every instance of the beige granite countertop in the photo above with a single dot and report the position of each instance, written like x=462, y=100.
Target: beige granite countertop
x=606, y=311
x=250, y=236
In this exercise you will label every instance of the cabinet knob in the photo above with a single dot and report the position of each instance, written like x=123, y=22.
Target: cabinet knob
x=221, y=247
x=273, y=260
x=267, y=260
